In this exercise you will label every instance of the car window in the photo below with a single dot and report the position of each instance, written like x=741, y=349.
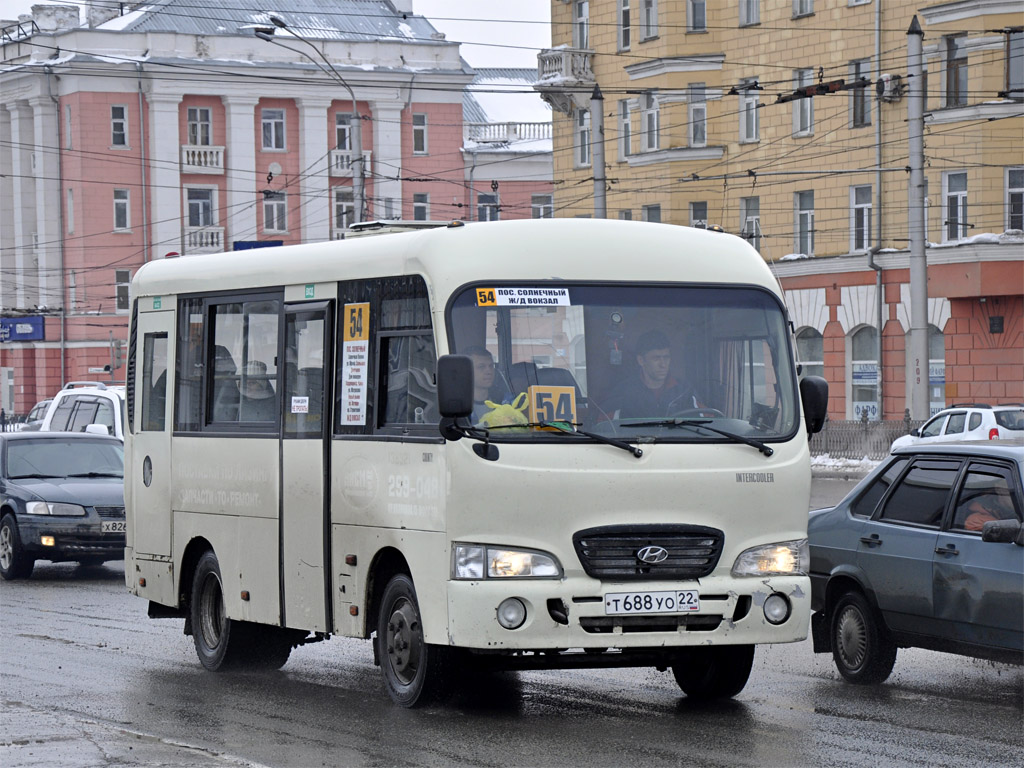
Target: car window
x=976, y=421
x=956, y=422
x=865, y=505
x=84, y=415
x=986, y=494
x=934, y=427
x=62, y=414
x=64, y=457
x=921, y=496
x=1010, y=419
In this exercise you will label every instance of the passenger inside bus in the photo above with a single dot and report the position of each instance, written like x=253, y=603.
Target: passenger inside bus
x=225, y=385
x=652, y=391
x=258, y=402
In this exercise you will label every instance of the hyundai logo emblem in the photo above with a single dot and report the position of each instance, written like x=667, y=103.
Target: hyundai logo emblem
x=652, y=555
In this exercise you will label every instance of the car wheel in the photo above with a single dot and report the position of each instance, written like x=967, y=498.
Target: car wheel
x=15, y=563
x=714, y=672
x=221, y=643
x=415, y=672
x=863, y=651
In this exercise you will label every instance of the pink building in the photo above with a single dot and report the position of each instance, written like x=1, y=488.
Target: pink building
x=176, y=131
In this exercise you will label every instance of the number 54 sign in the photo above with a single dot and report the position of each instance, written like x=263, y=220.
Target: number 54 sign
x=552, y=404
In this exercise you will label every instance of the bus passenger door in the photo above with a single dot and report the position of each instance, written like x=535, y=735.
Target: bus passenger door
x=150, y=486
x=305, y=521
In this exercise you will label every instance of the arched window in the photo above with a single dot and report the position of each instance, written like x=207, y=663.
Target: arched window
x=936, y=369
x=810, y=350
x=863, y=381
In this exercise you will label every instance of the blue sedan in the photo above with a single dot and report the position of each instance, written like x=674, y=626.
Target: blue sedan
x=926, y=552
x=61, y=498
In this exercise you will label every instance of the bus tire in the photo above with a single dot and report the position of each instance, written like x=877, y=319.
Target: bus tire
x=15, y=563
x=714, y=672
x=269, y=646
x=220, y=641
x=862, y=649
x=415, y=672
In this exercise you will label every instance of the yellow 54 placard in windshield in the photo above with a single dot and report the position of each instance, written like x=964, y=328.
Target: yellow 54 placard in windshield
x=552, y=403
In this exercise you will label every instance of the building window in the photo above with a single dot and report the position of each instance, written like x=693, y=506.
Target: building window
x=624, y=28
x=122, y=279
x=421, y=206
x=698, y=115
x=749, y=119
x=273, y=128
x=1015, y=65
x=696, y=16
x=486, y=207
x=860, y=98
x=810, y=351
x=860, y=218
x=1015, y=198
x=625, y=215
x=803, y=7
x=650, y=19
x=275, y=212
x=652, y=213
x=122, y=220
x=625, y=135
x=956, y=71
x=803, y=109
x=70, y=214
x=805, y=223
x=342, y=130
x=67, y=126
x=419, y=134
x=956, y=206
x=344, y=208
x=864, y=374
x=750, y=220
x=542, y=207
x=199, y=126
x=200, y=207
x=582, y=137
x=699, y=215
x=651, y=120
x=581, y=24
x=750, y=12
x=119, y=126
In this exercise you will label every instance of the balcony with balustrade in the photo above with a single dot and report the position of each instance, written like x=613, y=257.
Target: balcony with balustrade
x=566, y=78
x=199, y=158
x=203, y=240
x=505, y=133
x=341, y=162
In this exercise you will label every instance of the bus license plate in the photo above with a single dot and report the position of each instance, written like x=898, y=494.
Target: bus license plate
x=113, y=526
x=679, y=601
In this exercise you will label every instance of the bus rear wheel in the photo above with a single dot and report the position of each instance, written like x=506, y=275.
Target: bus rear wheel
x=415, y=672
x=714, y=672
x=220, y=642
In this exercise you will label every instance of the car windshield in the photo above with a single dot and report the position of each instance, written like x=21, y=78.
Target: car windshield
x=64, y=457
x=627, y=360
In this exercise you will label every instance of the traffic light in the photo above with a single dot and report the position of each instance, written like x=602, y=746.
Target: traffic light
x=118, y=353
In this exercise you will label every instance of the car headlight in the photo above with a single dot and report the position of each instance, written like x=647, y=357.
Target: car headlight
x=475, y=561
x=787, y=558
x=51, y=508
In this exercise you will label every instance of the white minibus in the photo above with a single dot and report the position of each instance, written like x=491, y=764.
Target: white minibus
x=531, y=444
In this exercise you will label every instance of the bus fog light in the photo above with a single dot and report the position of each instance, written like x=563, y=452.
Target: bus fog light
x=776, y=608
x=511, y=613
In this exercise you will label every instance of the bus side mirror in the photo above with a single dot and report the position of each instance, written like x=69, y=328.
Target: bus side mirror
x=814, y=394
x=455, y=386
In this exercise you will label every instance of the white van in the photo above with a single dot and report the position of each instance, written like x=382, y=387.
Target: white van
x=84, y=406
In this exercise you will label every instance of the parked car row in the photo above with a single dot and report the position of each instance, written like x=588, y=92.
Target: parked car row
x=80, y=406
x=968, y=421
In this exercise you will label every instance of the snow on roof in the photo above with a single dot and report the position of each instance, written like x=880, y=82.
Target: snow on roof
x=505, y=95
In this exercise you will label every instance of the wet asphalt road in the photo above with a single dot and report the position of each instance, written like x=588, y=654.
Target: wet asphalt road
x=88, y=680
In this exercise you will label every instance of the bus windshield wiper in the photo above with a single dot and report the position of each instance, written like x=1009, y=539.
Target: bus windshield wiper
x=34, y=475
x=567, y=427
x=95, y=474
x=703, y=424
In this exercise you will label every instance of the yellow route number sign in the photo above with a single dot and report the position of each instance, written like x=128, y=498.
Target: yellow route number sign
x=552, y=403
x=357, y=322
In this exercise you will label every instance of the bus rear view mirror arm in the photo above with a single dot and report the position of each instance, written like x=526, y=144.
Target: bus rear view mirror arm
x=814, y=394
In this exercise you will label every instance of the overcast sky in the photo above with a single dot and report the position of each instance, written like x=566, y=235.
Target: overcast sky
x=522, y=27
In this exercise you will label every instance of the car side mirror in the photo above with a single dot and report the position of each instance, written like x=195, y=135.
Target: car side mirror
x=1003, y=532
x=455, y=386
x=97, y=429
x=814, y=394
x=916, y=431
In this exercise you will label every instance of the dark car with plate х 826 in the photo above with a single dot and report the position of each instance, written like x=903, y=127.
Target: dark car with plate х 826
x=61, y=498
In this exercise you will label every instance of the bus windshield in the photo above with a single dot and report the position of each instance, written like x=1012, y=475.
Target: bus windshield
x=634, y=361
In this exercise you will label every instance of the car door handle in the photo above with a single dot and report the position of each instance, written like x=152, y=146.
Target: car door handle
x=949, y=549
x=871, y=540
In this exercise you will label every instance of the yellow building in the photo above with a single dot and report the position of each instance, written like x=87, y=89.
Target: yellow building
x=705, y=124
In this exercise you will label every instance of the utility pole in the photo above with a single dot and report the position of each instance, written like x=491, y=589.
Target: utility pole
x=917, y=353
x=597, y=152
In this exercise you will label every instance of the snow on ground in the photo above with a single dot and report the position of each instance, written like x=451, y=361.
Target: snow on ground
x=823, y=463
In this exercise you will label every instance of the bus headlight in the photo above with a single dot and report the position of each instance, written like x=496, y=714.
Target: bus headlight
x=787, y=558
x=59, y=508
x=474, y=561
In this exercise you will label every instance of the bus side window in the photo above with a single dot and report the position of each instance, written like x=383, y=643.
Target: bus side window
x=188, y=399
x=410, y=396
x=154, y=382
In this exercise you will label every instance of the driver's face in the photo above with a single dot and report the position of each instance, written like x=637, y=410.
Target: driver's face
x=483, y=371
x=654, y=365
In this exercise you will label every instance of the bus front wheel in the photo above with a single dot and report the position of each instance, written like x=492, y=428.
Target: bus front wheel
x=218, y=639
x=714, y=672
x=415, y=672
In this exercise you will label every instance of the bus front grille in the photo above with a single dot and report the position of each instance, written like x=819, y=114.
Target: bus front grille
x=648, y=552
x=604, y=625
